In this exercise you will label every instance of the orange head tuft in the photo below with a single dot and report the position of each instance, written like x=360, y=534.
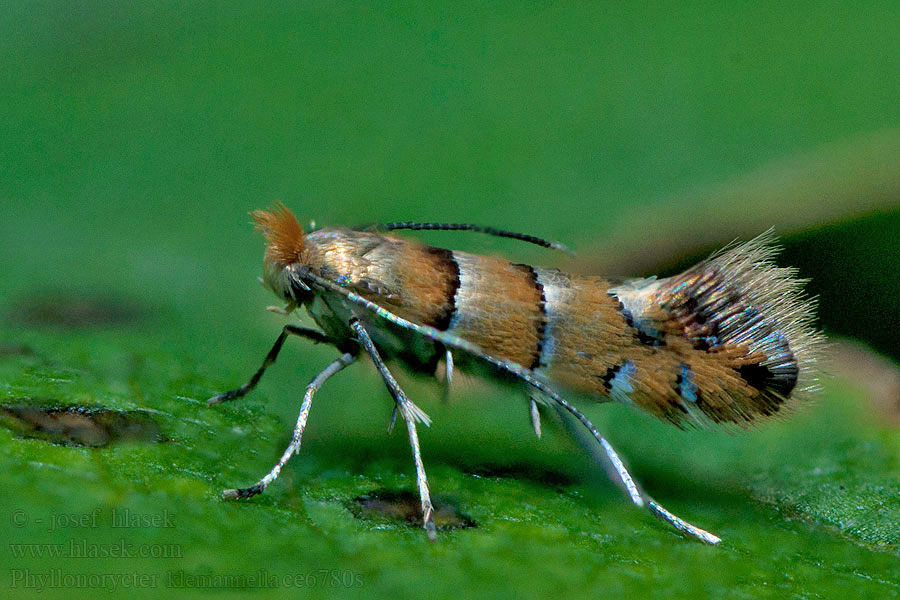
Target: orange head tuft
x=282, y=231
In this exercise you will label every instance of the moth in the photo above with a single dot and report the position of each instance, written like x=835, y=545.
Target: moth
x=729, y=341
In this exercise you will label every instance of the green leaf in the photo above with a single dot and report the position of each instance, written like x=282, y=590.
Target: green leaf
x=139, y=135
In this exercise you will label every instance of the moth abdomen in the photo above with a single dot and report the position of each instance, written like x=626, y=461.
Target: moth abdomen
x=742, y=332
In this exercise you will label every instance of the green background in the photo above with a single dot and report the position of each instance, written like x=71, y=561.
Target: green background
x=135, y=137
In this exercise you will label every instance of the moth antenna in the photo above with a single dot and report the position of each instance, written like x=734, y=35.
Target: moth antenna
x=524, y=237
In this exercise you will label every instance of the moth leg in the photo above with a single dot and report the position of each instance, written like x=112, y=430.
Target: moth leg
x=281, y=310
x=445, y=389
x=535, y=416
x=408, y=411
x=637, y=496
x=245, y=389
x=448, y=370
x=393, y=420
x=294, y=446
x=448, y=379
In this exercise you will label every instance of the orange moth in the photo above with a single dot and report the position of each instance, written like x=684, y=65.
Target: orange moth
x=729, y=341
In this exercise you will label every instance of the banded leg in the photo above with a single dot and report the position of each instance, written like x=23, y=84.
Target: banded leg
x=637, y=496
x=245, y=389
x=294, y=446
x=408, y=411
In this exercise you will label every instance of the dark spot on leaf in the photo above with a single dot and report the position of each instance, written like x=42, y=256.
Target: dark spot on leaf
x=9, y=349
x=405, y=506
x=70, y=310
x=77, y=425
x=524, y=471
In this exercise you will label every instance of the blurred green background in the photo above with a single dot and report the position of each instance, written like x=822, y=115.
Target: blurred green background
x=135, y=137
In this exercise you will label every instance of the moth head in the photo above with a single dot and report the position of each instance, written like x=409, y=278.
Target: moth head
x=285, y=246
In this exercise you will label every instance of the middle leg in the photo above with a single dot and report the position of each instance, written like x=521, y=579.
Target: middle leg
x=408, y=411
